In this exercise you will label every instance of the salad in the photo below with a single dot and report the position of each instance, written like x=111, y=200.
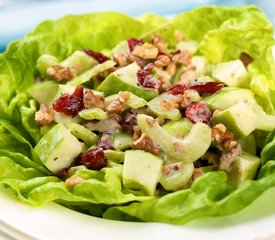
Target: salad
x=143, y=119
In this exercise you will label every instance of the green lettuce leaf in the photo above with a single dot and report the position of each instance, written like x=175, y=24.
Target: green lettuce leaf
x=225, y=32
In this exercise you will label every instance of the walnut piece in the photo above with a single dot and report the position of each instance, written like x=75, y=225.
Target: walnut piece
x=123, y=59
x=92, y=100
x=73, y=181
x=162, y=61
x=60, y=73
x=168, y=105
x=184, y=58
x=118, y=105
x=146, y=51
x=159, y=42
x=146, y=143
x=45, y=115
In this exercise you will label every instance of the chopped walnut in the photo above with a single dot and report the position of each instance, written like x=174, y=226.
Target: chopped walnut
x=123, y=59
x=184, y=58
x=104, y=74
x=45, y=115
x=146, y=51
x=227, y=141
x=168, y=105
x=159, y=42
x=223, y=137
x=92, y=100
x=162, y=61
x=108, y=125
x=118, y=105
x=171, y=68
x=146, y=143
x=60, y=73
x=171, y=167
x=73, y=181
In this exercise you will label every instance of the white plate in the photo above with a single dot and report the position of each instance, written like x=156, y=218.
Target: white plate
x=55, y=222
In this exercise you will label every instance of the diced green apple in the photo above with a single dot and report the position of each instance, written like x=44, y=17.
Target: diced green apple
x=122, y=141
x=239, y=119
x=232, y=73
x=141, y=171
x=125, y=79
x=244, y=168
x=82, y=133
x=58, y=148
x=179, y=128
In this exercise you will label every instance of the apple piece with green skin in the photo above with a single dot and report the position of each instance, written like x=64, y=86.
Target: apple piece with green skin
x=122, y=141
x=44, y=62
x=244, y=168
x=178, y=128
x=58, y=148
x=232, y=73
x=79, y=62
x=125, y=79
x=229, y=96
x=89, y=74
x=238, y=119
x=80, y=132
x=160, y=106
x=176, y=175
x=188, y=149
x=248, y=144
x=141, y=171
x=114, y=156
x=93, y=113
x=44, y=92
x=132, y=102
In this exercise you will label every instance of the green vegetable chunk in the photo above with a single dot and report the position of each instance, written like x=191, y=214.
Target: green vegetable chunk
x=57, y=148
x=245, y=167
x=142, y=171
x=125, y=79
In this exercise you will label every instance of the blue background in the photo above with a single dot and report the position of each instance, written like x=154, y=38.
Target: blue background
x=21, y=16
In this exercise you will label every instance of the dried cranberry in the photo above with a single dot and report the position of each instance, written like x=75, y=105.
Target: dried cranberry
x=145, y=77
x=70, y=104
x=177, y=89
x=97, y=55
x=129, y=120
x=93, y=159
x=63, y=173
x=105, y=142
x=198, y=112
x=207, y=87
x=133, y=42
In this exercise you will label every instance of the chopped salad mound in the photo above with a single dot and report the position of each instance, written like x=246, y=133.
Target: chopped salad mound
x=142, y=119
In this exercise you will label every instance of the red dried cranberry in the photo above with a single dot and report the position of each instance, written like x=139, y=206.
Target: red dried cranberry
x=145, y=77
x=198, y=112
x=207, y=87
x=93, y=159
x=63, y=173
x=133, y=42
x=70, y=104
x=97, y=55
x=177, y=89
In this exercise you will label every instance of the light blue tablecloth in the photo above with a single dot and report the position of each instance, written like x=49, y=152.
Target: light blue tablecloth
x=19, y=17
